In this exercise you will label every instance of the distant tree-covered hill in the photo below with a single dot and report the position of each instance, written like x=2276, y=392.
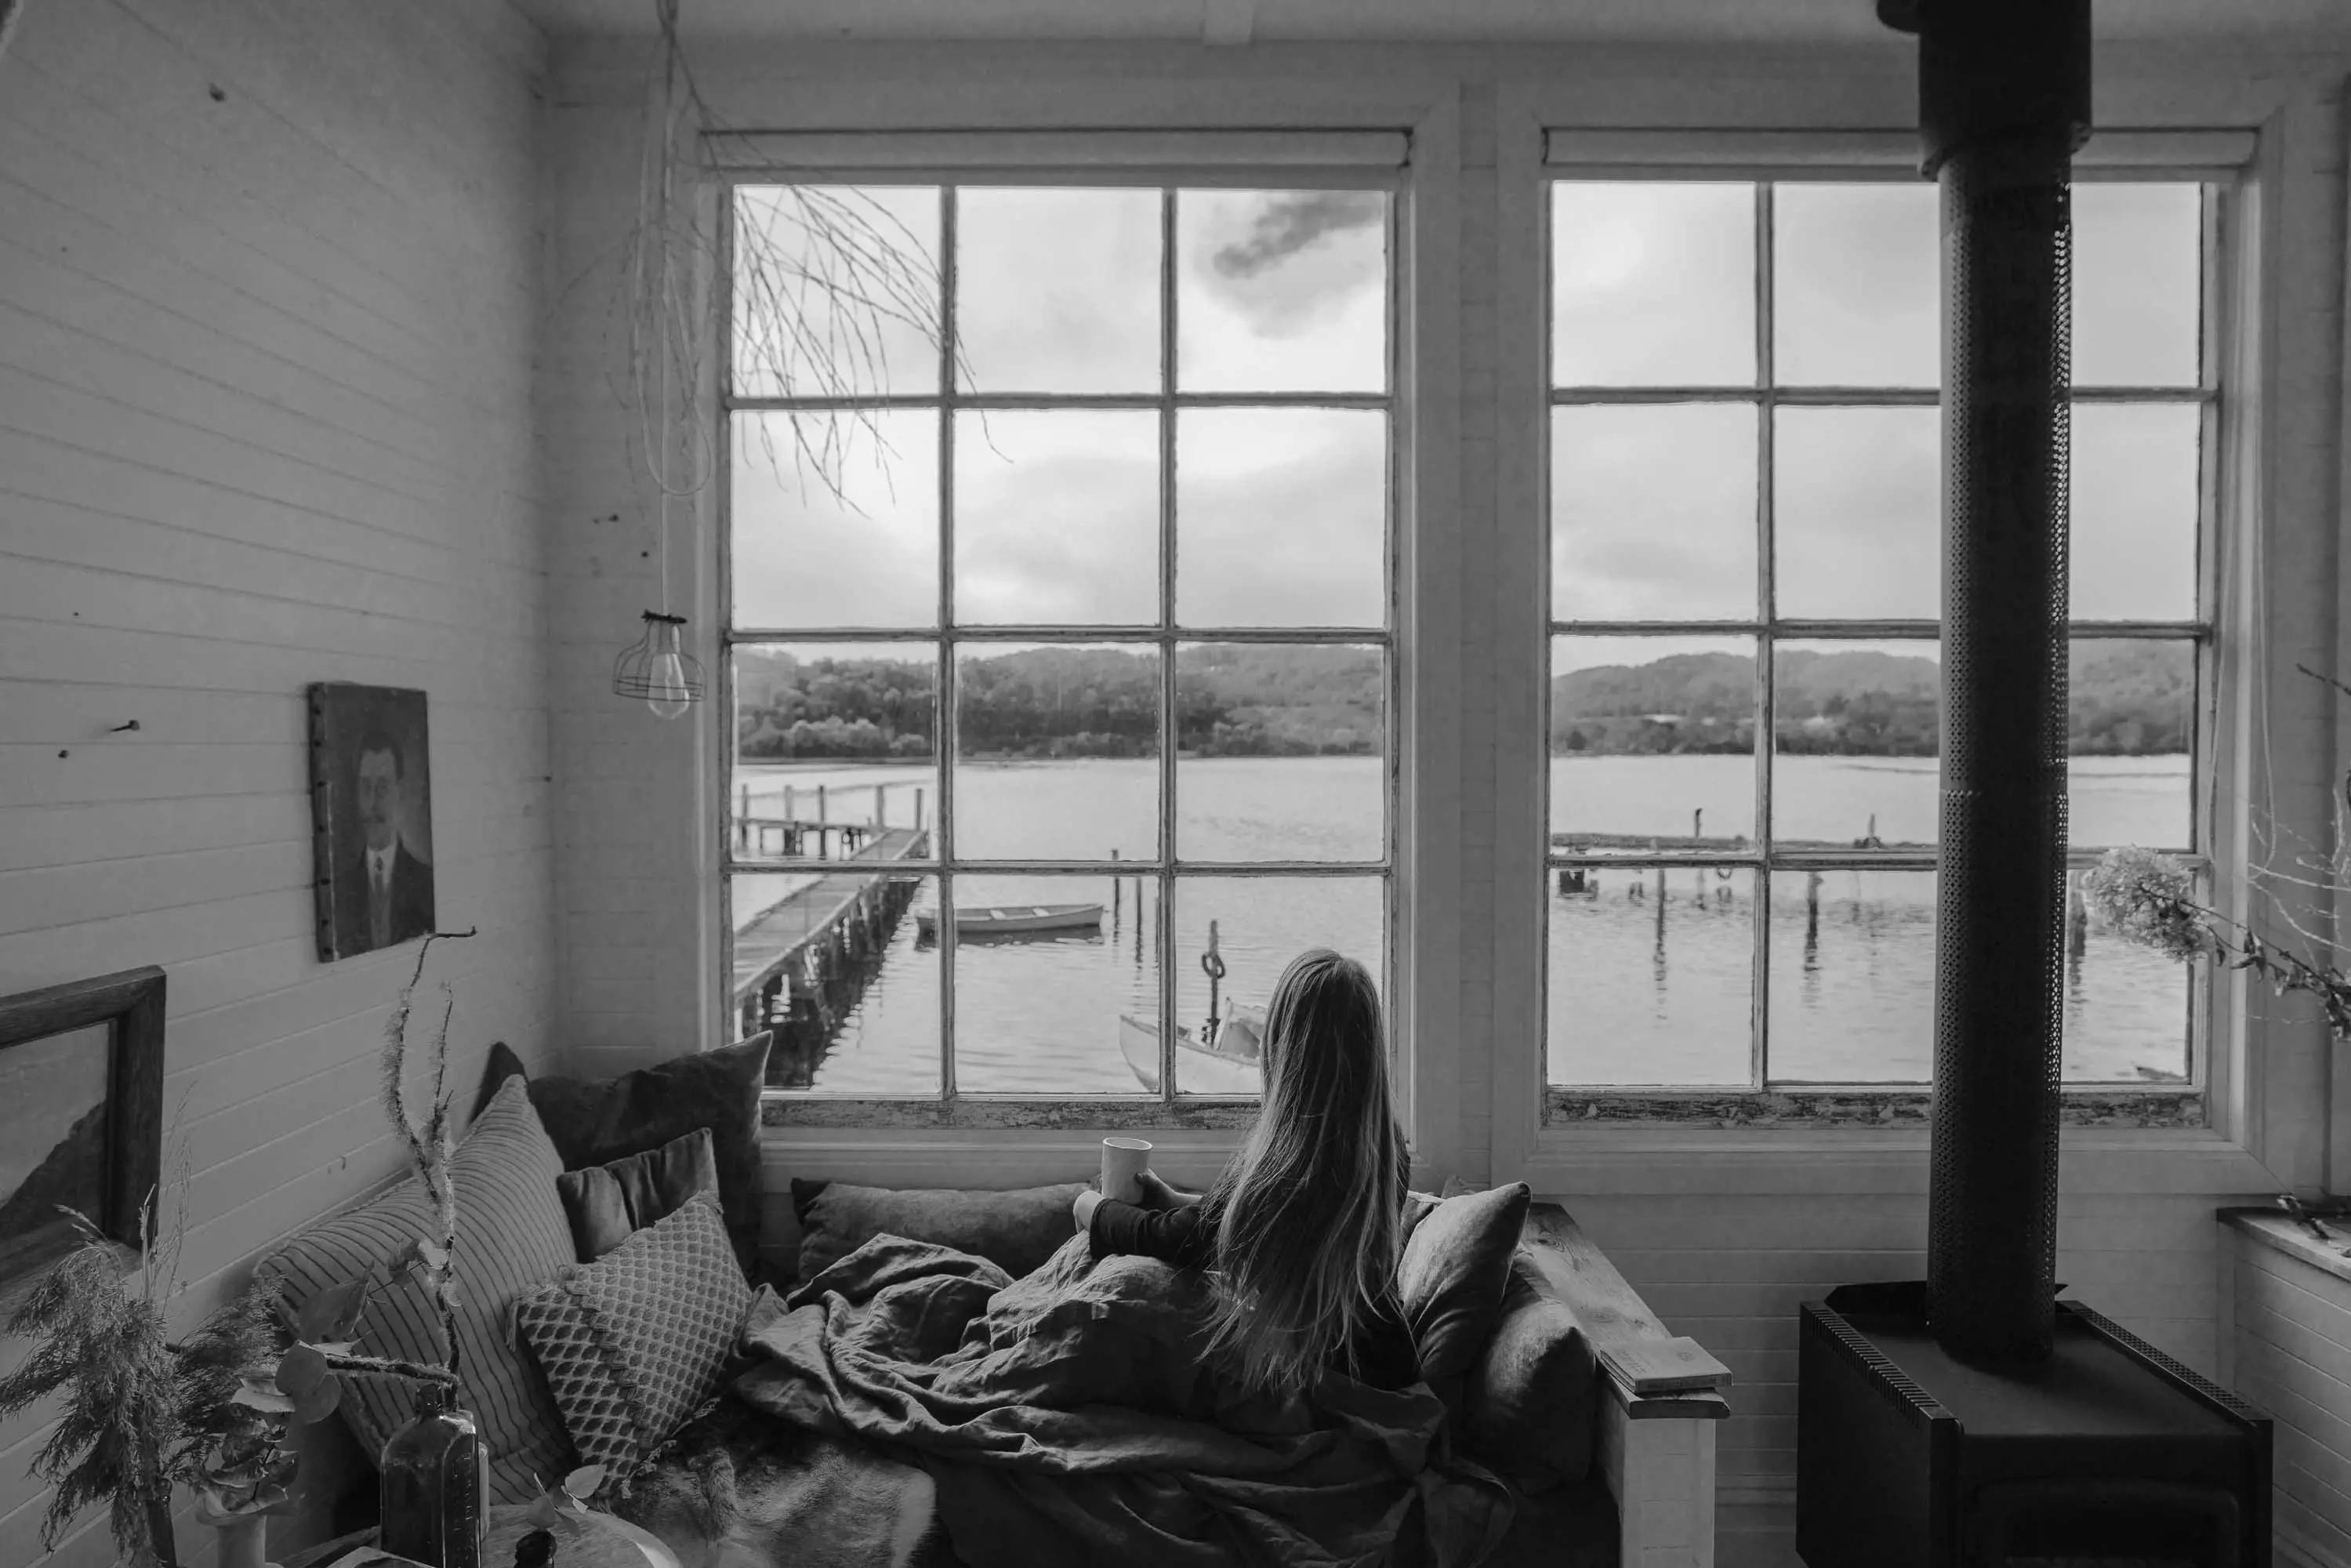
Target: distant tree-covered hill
x=2126, y=698
x=2129, y=698
x=1231, y=699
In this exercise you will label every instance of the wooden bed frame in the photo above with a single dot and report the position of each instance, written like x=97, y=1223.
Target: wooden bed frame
x=1658, y=1454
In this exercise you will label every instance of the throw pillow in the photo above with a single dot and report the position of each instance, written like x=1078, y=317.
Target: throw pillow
x=1451, y=1277
x=511, y=1237
x=633, y=1344
x=1529, y=1398
x=608, y=1203
x=594, y=1122
x=1013, y=1231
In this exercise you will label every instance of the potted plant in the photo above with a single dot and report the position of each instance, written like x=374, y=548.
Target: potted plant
x=143, y=1412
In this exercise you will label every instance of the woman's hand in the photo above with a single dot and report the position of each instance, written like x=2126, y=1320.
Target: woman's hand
x=1082, y=1209
x=1157, y=1194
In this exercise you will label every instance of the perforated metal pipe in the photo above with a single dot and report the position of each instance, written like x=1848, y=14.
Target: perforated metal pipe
x=2003, y=102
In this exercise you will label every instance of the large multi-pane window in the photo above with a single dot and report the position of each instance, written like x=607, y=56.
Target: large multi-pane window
x=1744, y=676
x=1059, y=611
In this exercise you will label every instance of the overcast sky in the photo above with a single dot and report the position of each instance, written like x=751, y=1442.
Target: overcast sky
x=1280, y=512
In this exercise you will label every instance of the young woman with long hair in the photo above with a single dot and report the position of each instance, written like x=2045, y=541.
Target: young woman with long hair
x=1301, y=1233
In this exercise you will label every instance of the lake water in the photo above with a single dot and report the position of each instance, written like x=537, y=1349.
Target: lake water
x=1645, y=987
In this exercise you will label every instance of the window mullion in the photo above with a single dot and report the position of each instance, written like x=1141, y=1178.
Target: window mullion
x=946, y=680
x=1767, y=597
x=1166, y=876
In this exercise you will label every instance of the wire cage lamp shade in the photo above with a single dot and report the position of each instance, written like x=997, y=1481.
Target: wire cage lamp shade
x=658, y=670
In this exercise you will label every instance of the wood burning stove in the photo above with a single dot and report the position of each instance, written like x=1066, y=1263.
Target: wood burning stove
x=1973, y=1418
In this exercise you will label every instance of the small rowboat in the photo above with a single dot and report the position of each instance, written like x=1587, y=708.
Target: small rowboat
x=1229, y=1067
x=1014, y=920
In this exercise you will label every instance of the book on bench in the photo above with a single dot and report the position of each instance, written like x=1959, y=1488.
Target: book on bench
x=1650, y=1366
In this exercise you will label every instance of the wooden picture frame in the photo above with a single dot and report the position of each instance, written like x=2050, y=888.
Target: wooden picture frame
x=372, y=816
x=130, y=1004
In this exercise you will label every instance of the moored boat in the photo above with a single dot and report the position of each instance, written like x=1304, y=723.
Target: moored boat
x=1014, y=920
x=1229, y=1067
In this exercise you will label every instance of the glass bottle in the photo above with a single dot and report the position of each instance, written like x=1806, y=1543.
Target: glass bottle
x=436, y=1486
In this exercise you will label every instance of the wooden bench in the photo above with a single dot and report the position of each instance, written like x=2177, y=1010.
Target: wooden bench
x=1657, y=1454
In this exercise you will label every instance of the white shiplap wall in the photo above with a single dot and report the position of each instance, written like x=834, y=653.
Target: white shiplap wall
x=2286, y=1346
x=1725, y=1237
x=268, y=301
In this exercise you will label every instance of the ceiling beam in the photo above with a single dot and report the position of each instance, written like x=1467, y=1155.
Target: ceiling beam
x=1227, y=24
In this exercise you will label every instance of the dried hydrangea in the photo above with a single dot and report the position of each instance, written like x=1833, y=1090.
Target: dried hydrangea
x=2149, y=899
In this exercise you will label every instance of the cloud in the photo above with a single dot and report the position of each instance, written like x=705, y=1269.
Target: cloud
x=1290, y=221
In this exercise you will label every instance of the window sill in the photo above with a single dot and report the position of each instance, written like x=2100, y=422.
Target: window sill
x=2268, y=1227
x=1600, y=1159
x=1858, y=1106
x=984, y=1114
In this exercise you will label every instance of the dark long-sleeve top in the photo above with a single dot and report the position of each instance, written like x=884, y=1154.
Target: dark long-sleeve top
x=1383, y=1350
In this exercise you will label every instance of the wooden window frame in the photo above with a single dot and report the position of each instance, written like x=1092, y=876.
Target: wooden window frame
x=2218, y=159
x=1285, y=161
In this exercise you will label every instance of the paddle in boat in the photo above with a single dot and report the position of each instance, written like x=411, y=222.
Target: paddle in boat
x=1014, y=920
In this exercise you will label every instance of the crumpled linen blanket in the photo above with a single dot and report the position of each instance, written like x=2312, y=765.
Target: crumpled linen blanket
x=1070, y=1417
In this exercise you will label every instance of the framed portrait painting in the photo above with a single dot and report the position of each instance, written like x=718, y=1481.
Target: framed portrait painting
x=371, y=809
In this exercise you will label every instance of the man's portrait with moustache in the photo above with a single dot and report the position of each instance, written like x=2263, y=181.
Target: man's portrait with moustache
x=370, y=746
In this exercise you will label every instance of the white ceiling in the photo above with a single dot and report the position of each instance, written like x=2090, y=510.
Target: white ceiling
x=1453, y=21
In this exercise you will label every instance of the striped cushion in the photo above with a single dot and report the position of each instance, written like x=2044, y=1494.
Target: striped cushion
x=512, y=1237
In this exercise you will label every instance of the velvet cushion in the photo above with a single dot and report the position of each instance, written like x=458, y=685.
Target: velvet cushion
x=633, y=1344
x=595, y=1122
x=1455, y=1264
x=608, y=1203
x=1530, y=1400
x=1015, y=1230
x=511, y=1239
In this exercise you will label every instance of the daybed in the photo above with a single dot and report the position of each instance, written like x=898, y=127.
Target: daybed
x=1594, y=1476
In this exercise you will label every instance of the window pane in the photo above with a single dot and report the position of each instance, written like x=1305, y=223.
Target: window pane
x=2125, y=1006
x=1261, y=924
x=2135, y=491
x=1281, y=291
x=1282, y=516
x=1652, y=744
x=836, y=751
x=1652, y=285
x=2131, y=728
x=1857, y=513
x=836, y=291
x=1653, y=512
x=834, y=518
x=1857, y=280
x=1045, y=969
x=1057, y=516
x=1852, y=977
x=830, y=962
x=1056, y=752
x=1652, y=976
x=1281, y=752
x=1057, y=290
x=1855, y=726
x=2139, y=267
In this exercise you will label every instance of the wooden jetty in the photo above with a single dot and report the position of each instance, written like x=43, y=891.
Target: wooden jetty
x=776, y=823
x=794, y=962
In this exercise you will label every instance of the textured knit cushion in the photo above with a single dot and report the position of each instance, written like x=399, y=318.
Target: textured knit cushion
x=1454, y=1266
x=595, y=1122
x=1015, y=1230
x=633, y=1344
x=511, y=1239
x=607, y=1203
x=1530, y=1400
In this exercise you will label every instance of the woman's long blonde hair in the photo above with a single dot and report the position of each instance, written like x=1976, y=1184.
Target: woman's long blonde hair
x=1308, y=1224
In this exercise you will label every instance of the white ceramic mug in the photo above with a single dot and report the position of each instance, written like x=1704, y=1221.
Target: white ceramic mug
x=1123, y=1162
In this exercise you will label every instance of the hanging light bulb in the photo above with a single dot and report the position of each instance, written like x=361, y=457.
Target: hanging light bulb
x=656, y=668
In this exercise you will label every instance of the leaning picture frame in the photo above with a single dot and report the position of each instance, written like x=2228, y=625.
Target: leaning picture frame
x=81, y=1115
x=372, y=816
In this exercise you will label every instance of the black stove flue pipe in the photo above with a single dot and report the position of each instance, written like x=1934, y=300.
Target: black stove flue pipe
x=2004, y=102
